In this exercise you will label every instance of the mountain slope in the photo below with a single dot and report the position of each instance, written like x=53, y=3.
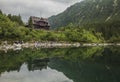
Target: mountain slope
x=88, y=12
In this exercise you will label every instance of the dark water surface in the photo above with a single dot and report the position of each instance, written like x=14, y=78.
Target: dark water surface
x=85, y=64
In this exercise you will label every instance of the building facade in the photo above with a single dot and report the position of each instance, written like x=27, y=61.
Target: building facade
x=39, y=23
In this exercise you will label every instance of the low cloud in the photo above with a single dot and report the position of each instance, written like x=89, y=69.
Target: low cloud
x=40, y=8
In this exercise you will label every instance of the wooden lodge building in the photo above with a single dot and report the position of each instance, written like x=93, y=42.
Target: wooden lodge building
x=39, y=23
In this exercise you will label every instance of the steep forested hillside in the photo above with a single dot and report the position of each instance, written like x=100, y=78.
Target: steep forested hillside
x=88, y=11
x=102, y=15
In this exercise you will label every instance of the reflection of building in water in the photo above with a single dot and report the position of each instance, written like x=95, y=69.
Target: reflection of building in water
x=38, y=64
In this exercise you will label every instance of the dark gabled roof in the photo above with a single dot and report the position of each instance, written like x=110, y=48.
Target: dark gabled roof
x=37, y=19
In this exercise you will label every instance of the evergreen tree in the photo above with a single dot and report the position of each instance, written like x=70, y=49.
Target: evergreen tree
x=16, y=18
x=9, y=16
x=30, y=22
x=20, y=20
x=1, y=12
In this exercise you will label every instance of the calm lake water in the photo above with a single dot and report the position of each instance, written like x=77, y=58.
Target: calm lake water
x=85, y=64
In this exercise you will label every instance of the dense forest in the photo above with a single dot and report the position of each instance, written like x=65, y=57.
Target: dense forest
x=94, y=15
x=12, y=29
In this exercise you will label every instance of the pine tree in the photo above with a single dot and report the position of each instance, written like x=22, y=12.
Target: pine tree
x=9, y=16
x=16, y=18
x=30, y=22
x=1, y=12
x=20, y=20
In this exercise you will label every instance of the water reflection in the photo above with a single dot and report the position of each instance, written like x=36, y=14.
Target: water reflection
x=45, y=75
x=38, y=64
x=86, y=64
x=87, y=71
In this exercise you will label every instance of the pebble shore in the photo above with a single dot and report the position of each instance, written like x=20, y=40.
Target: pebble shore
x=52, y=45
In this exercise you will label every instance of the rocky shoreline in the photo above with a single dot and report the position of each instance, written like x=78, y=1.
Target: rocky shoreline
x=19, y=46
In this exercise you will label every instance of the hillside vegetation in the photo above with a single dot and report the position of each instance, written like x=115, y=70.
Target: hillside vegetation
x=94, y=15
x=13, y=30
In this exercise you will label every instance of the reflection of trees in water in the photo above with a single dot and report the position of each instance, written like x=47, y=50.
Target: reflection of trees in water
x=86, y=71
x=100, y=65
x=13, y=60
x=110, y=55
x=9, y=62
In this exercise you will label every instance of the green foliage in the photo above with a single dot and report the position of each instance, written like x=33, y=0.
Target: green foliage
x=87, y=12
x=1, y=12
x=109, y=30
x=10, y=30
x=76, y=34
x=16, y=18
x=7, y=26
x=94, y=15
x=30, y=22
